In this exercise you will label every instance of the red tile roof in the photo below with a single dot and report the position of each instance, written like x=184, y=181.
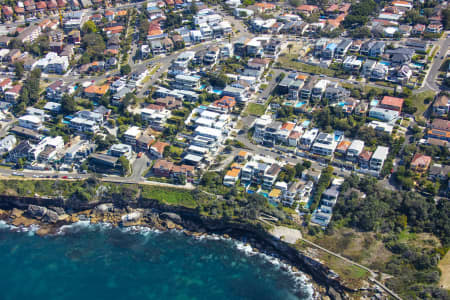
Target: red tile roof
x=392, y=102
x=365, y=155
x=159, y=147
x=420, y=159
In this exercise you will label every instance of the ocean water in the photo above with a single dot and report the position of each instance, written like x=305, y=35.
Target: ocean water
x=100, y=262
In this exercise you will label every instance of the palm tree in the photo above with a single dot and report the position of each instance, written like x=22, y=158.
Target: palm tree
x=289, y=46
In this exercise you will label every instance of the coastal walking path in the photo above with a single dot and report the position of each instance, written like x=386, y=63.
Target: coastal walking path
x=291, y=236
x=372, y=273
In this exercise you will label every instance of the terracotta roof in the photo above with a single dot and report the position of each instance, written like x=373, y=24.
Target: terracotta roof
x=163, y=164
x=114, y=28
x=233, y=173
x=420, y=159
x=242, y=153
x=61, y=3
x=159, y=147
x=15, y=89
x=343, y=146
x=155, y=107
x=109, y=13
x=365, y=155
x=19, y=9
x=392, y=101
x=288, y=126
x=295, y=134
x=265, y=5
x=52, y=4
x=308, y=8
x=95, y=89
x=7, y=10
x=41, y=5
x=121, y=13
x=225, y=101
x=5, y=82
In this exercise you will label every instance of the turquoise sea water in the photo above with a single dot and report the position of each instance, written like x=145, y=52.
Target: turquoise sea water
x=99, y=263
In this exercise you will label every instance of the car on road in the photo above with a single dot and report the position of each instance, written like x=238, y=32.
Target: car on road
x=64, y=177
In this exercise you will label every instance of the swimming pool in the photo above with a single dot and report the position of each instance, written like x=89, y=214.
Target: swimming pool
x=264, y=194
x=218, y=92
x=386, y=63
x=341, y=104
x=306, y=123
x=374, y=103
x=300, y=104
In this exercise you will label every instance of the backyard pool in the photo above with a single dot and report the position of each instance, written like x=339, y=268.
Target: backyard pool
x=300, y=104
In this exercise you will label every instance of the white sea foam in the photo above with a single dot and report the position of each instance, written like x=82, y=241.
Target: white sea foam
x=74, y=227
x=144, y=230
x=301, y=280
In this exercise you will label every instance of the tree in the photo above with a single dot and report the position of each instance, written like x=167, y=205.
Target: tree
x=125, y=69
x=125, y=165
x=89, y=27
x=295, y=3
x=94, y=46
x=289, y=46
x=446, y=18
x=19, y=70
x=194, y=8
x=68, y=104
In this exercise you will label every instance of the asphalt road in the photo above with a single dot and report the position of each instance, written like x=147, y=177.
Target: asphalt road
x=430, y=79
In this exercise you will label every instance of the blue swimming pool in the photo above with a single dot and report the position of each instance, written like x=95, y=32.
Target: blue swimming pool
x=341, y=104
x=374, y=103
x=306, y=123
x=218, y=92
x=264, y=194
x=66, y=122
x=300, y=104
x=386, y=63
x=250, y=192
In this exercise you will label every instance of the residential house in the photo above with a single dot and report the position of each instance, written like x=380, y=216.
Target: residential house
x=386, y=115
x=392, y=103
x=12, y=94
x=441, y=105
x=324, y=144
x=378, y=158
x=308, y=138
x=355, y=149
x=364, y=159
x=420, y=163
x=119, y=150
x=440, y=130
x=131, y=135
x=342, y=48
x=157, y=149
x=95, y=91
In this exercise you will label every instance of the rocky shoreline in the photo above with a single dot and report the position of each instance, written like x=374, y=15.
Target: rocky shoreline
x=49, y=220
